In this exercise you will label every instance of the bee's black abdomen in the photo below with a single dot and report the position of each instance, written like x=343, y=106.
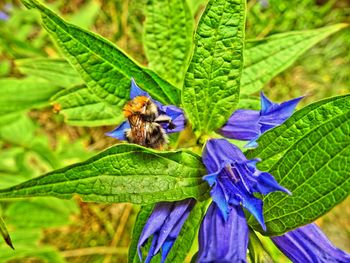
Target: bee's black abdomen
x=156, y=137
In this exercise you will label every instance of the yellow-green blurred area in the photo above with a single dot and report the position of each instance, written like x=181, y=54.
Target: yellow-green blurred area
x=36, y=141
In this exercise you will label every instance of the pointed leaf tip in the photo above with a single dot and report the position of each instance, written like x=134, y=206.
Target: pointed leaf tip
x=9, y=241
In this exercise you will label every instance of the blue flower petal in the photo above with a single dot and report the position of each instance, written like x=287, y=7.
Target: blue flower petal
x=176, y=218
x=219, y=152
x=266, y=183
x=242, y=125
x=277, y=114
x=309, y=244
x=220, y=199
x=176, y=115
x=164, y=224
x=137, y=91
x=153, y=225
x=255, y=207
x=3, y=16
x=266, y=104
x=119, y=132
x=223, y=241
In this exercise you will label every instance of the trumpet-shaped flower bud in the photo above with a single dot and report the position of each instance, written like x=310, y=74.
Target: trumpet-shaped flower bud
x=309, y=244
x=220, y=240
x=248, y=125
x=164, y=224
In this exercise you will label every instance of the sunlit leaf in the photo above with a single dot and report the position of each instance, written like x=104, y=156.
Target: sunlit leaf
x=168, y=31
x=123, y=173
x=211, y=88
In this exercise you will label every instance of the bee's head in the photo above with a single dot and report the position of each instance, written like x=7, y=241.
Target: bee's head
x=141, y=105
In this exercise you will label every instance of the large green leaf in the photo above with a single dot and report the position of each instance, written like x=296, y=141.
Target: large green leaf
x=309, y=154
x=57, y=71
x=168, y=33
x=211, y=88
x=17, y=95
x=266, y=58
x=124, y=173
x=105, y=69
x=41, y=213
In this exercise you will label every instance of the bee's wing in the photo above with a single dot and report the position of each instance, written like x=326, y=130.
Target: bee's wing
x=163, y=119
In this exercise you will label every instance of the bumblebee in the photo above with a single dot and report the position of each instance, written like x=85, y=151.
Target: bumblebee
x=145, y=122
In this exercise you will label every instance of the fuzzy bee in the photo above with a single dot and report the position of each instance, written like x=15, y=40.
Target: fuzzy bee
x=146, y=123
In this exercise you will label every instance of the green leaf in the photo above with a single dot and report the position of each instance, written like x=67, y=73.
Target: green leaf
x=57, y=71
x=168, y=31
x=140, y=222
x=266, y=58
x=4, y=233
x=124, y=173
x=17, y=95
x=309, y=155
x=211, y=88
x=41, y=213
x=86, y=15
x=188, y=234
x=249, y=102
x=19, y=131
x=105, y=69
x=80, y=107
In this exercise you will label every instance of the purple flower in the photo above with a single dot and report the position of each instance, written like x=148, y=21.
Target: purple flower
x=234, y=179
x=223, y=240
x=164, y=225
x=3, y=16
x=248, y=125
x=309, y=244
x=176, y=114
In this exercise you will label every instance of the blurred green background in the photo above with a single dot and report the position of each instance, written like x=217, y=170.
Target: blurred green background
x=36, y=140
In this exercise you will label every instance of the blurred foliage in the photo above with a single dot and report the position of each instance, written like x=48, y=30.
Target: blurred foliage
x=323, y=71
x=34, y=139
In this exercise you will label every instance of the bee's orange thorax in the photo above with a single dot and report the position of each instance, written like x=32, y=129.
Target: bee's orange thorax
x=135, y=106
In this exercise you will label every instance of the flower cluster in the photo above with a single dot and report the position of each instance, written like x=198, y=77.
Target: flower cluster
x=234, y=181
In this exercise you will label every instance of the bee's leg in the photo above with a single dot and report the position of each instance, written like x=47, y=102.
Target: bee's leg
x=165, y=119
